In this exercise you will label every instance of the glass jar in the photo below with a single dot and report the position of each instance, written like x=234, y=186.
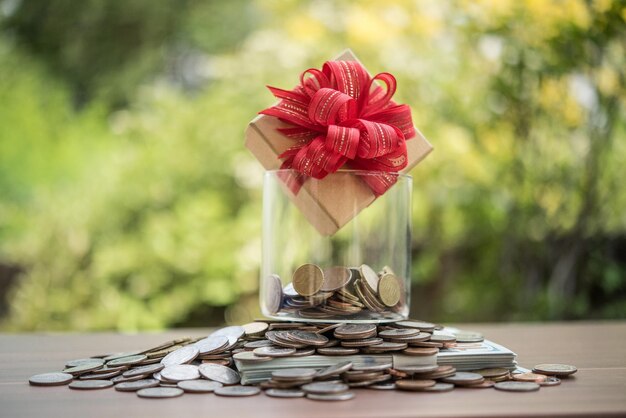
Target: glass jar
x=360, y=273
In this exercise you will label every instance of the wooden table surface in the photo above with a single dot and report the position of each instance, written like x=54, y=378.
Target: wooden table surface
x=598, y=389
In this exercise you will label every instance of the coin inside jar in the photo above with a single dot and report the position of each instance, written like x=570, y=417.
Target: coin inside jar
x=273, y=293
x=308, y=279
x=336, y=278
x=389, y=290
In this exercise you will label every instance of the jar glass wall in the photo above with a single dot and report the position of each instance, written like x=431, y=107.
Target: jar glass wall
x=361, y=273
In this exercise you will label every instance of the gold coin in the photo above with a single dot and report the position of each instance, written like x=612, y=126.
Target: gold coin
x=308, y=279
x=389, y=290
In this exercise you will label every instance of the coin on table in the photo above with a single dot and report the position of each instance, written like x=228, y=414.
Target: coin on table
x=324, y=387
x=492, y=372
x=258, y=343
x=442, y=338
x=255, y=328
x=439, y=387
x=336, y=278
x=421, y=325
x=334, y=370
x=382, y=386
x=210, y=345
x=421, y=351
x=296, y=373
x=144, y=370
x=419, y=369
x=127, y=361
x=414, y=385
x=250, y=357
x=219, y=373
x=355, y=331
x=399, y=332
x=273, y=293
x=386, y=346
x=233, y=332
x=308, y=338
x=329, y=397
x=51, y=379
x=160, y=392
x=337, y=351
x=237, y=391
x=468, y=337
x=482, y=385
x=271, y=351
x=83, y=368
x=91, y=384
x=555, y=369
x=512, y=386
x=464, y=378
x=180, y=372
x=389, y=290
x=529, y=377
x=78, y=362
x=284, y=393
x=136, y=385
x=199, y=386
x=370, y=277
x=550, y=381
x=308, y=279
x=183, y=355
x=120, y=355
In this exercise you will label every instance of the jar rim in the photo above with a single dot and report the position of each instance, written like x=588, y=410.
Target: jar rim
x=347, y=170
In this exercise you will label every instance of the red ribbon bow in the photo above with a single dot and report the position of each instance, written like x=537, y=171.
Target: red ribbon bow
x=343, y=117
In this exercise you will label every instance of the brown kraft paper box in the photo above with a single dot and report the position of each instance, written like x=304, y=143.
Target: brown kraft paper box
x=331, y=203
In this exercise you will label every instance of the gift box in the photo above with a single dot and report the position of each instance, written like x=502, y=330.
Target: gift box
x=324, y=207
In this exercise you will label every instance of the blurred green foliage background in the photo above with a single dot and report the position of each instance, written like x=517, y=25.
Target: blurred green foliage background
x=127, y=200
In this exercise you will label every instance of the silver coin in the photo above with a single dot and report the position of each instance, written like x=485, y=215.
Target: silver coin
x=91, y=384
x=550, y=381
x=199, y=386
x=285, y=393
x=234, y=331
x=345, y=396
x=382, y=386
x=183, y=355
x=160, y=392
x=219, y=373
x=127, y=361
x=439, y=387
x=325, y=387
x=120, y=355
x=78, y=362
x=180, y=372
x=418, y=369
x=237, y=391
x=144, y=370
x=136, y=385
x=334, y=370
x=294, y=373
x=258, y=343
x=274, y=351
x=51, y=379
x=273, y=293
x=250, y=357
x=210, y=345
x=120, y=379
x=83, y=368
x=513, y=386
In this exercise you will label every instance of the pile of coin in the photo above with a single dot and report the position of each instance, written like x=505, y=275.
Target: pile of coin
x=206, y=365
x=346, y=292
